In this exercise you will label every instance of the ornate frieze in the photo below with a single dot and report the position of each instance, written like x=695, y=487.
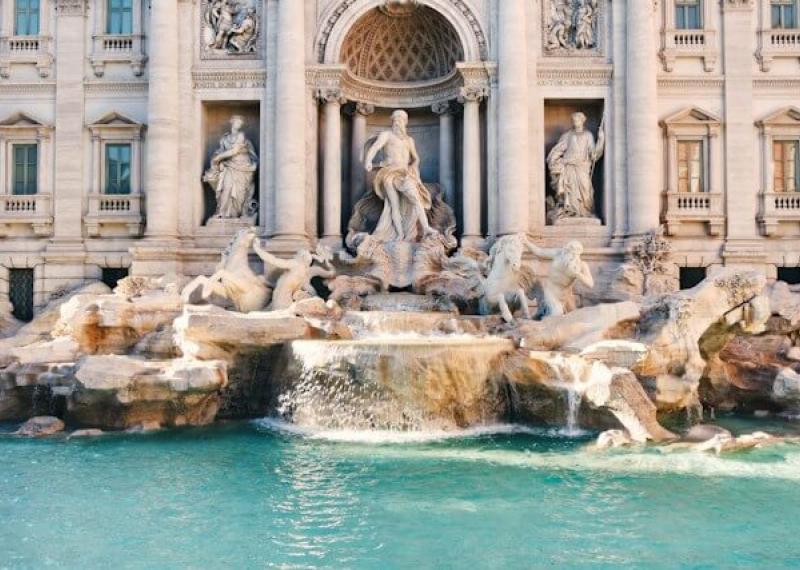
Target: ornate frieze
x=560, y=76
x=231, y=29
x=71, y=7
x=229, y=79
x=572, y=27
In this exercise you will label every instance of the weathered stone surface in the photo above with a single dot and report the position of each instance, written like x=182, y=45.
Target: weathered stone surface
x=580, y=328
x=786, y=388
x=117, y=392
x=673, y=327
x=209, y=332
x=547, y=384
x=704, y=432
x=41, y=426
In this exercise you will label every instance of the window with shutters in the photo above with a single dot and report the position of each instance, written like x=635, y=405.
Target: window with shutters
x=784, y=14
x=118, y=169
x=691, y=166
x=26, y=18
x=119, y=17
x=786, y=166
x=689, y=14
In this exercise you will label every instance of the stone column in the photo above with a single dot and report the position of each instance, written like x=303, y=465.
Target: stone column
x=358, y=177
x=740, y=171
x=644, y=196
x=332, y=166
x=447, y=175
x=471, y=97
x=513, y=174
x=163, y=134
x=290, y=124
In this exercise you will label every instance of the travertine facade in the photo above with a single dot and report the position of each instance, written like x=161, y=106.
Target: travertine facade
x=111, y=112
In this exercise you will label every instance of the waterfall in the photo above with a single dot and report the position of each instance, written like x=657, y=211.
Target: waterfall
x=579, y=379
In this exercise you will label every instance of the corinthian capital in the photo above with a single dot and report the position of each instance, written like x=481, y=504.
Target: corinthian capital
x=330, y=95
x=364, y=109
x=473, y=93
x=442, y=107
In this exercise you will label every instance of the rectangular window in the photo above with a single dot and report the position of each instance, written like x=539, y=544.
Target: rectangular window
x=26, y=18
x=119, y=19
x=786, y=166
x=691, y=277
x=20, y=293
x=690, y=166
x=25, y=169
x=689, y=14
x=118, y=169
x=784, y=14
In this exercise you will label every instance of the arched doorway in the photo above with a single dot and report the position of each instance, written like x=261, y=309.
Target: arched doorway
x=384, y=55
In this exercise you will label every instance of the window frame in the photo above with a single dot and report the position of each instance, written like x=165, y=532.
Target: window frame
x=106, y=182
x=782, y=6
x=681, y=10
x=31, y=174
x=703, y=164
x=28, y=12
x=126, y=8
x=784, y=141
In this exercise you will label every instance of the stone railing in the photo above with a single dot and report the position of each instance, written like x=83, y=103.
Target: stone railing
x=33, y=210
x=697, y=207
x=689, y=43
x=777, y=43
x=116, y=48
x=26, y=49
x=114, y=210
x=777, y=207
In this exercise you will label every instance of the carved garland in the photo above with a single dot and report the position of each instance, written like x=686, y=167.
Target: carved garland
x=345, y=5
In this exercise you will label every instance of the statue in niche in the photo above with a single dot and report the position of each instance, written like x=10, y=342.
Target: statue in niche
x=406, y=200
x=233, y=26
x=554, y=293
x=572, y=163
x=571, y=25
x=232, y=174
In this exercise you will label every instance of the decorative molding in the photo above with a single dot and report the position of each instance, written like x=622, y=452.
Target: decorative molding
x=558, y=76
x=249, y=18
x=343, y=6
x=71, y=7
x=28, y=88
x=229, y=79
x=564, y=27
x=95, y=88
x=689, y=82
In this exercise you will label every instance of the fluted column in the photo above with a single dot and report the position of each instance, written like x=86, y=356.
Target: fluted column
x=290, y=123
x=470, y=98
x=447, y=175
x=644, y=197
x=163, y=135
x=513, y=118
x=359, y=140
x=332, y=165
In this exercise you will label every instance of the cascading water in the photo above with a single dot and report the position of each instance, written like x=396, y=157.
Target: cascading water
x=395, y=380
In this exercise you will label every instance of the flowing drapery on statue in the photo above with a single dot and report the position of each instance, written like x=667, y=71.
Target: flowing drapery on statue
x=571, y=164
x=406, y=200
x=232, y=174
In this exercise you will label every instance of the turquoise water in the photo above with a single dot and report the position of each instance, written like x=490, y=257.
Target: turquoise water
x=253, y=496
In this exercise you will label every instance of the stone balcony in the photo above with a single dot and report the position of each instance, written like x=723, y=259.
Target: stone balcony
x=776, y=44
x=123, y=211
x=701, y=207
x=22, y=215
x=777, y=207
x=35, y=50
x=115, y=48
x=689, y=43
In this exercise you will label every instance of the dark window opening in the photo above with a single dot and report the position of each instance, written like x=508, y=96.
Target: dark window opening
x=789, y=274
x=113, y=275
x=692, y=276
x=20, y=293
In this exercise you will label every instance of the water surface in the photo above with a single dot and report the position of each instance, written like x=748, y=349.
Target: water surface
x=256, y=495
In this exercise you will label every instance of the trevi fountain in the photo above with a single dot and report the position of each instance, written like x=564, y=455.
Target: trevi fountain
x=409, y=390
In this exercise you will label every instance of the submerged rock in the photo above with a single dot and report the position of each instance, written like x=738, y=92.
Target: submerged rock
x=86, y=433
x=41, y=426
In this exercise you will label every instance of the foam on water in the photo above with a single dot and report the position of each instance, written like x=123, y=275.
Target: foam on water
x=784, y=463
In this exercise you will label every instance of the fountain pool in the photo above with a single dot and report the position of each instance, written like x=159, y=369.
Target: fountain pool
x=254, y=495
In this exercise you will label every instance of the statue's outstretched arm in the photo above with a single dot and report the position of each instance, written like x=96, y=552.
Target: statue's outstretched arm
x=322, y=272
x=540, y=252
x=270, y=259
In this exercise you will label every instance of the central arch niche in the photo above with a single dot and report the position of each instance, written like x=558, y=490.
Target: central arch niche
x=415, y=44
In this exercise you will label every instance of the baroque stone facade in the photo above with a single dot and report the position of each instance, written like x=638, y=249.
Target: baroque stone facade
x=108, y=121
